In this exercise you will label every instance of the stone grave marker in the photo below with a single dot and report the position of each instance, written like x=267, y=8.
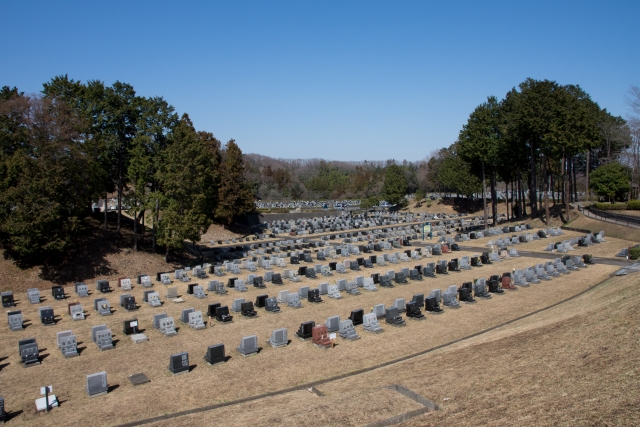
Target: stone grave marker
x=215, y=354
x=179, y=363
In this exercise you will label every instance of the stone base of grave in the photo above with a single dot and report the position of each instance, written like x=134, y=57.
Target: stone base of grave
x=69, y=355
x=179, y=373
x=30, y=364
x=220, y=362
x=41, y=405
x=138, y=338
x=102, y=393
x=324, y=347
x=417, y=318
x=277, y=345
x=138, y=379
x=249, y=354
x=177, y=300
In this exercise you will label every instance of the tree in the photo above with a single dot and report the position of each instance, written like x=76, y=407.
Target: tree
x=395, y=185
x=235, y=195
x=611, y=181
x=188, y=184
x=480, y=141
x=48, y=176
x=369, y=202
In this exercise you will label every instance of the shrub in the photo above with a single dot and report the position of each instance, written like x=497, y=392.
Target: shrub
x=611, y=206
x=634, y=253
x=633, y=205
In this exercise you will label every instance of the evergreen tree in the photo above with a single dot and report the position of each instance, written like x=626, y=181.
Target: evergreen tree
x=235, y=195
x=188, y=188
x=395, y=185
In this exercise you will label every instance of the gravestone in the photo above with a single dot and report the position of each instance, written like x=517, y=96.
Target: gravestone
x=333, y=292
x=76, y=312
x=392, y=317
x=68, y=345
x=247, y=310
x=125, y=284
x=222, y=314
x=278, y=338
x=104, y=308
x=47, y=317
x=236, y=306
x=29, y=352
x=370, y=323
x=179, y=363
x=320, y=337
x=153, y=299
x=347, y=330
x=399, y=304
x=157, y=318
x=356, y=316
x=271, y=305
x=167, y=326
x=195, y=320
x=34, y=295
x=57, y=292
x=215, y=354
x=303, y=292
x=293, y=300
x=104, y=339
x=305, y=330
x=130, y=327
x=15, y=320
x=97, y=384
x=184, y=315
x=413, y=311
x=378, y=310
x=198, y=292
x=248, y=345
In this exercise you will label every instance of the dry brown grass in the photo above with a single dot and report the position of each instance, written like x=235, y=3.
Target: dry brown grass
x=576, y=364
x=272, y=369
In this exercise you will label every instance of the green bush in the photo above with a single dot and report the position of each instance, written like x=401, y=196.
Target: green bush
x=633, y=205
x=611, y=206
x=634, y=253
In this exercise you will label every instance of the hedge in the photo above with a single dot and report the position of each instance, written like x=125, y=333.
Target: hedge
x=611, y=206
x=634, y=253
x=633, y=205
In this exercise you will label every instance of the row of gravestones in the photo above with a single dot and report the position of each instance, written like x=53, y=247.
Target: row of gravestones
x=320, y=335
x=246, y=308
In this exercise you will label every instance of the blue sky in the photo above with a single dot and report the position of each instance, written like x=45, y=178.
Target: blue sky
x=340, y=80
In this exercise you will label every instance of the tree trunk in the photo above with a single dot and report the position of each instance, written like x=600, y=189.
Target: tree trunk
x=494, y=196
x=484, y=196
x=575, y=179
x=153, y=229
x=135, y=232
x=533, y=181
x=119, y=187
x=546, y=190
x=588, y=190
x=506, y=195
x=553, y=188
x=523, y=204
x=105, y=210
x=565, y=182
x=143, y=227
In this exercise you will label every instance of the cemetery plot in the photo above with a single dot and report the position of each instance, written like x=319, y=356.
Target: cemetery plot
x=293, y=361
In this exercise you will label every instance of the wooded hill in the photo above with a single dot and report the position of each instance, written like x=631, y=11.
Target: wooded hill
x=77, y=142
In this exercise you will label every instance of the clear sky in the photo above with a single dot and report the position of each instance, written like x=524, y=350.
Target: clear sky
x=340, y=80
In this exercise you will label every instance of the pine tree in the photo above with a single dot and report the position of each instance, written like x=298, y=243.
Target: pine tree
x=235, y=197
x=188, y=188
